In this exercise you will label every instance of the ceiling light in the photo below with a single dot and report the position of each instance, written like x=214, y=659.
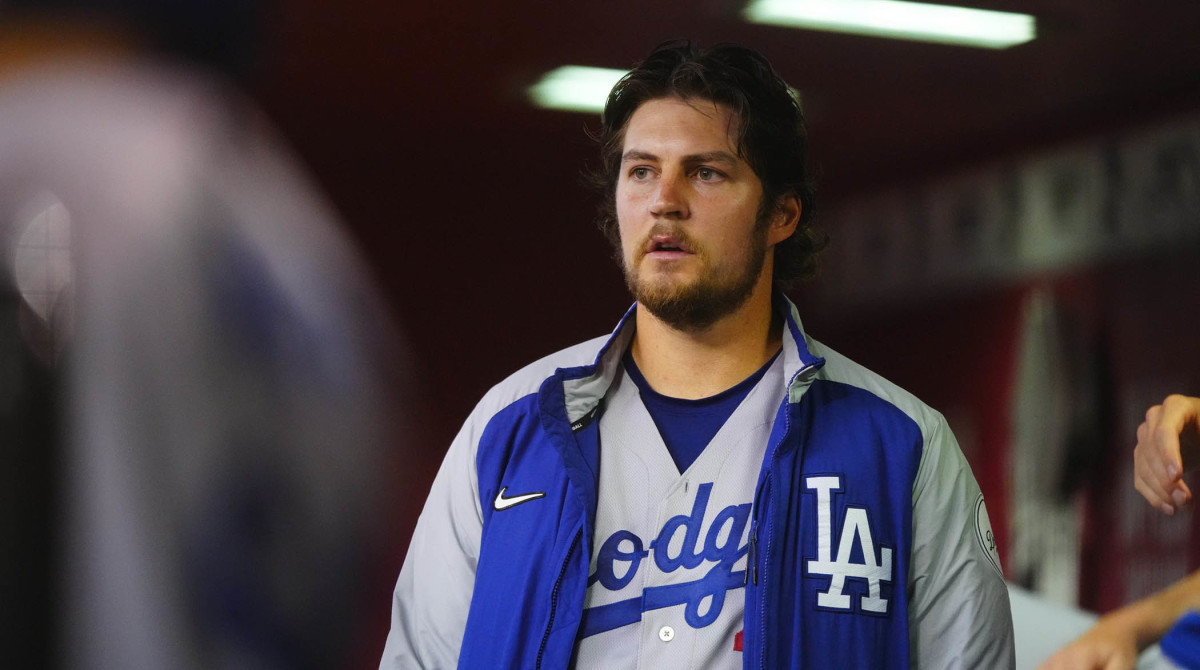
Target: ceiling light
x=575, y=88
x=899, y=20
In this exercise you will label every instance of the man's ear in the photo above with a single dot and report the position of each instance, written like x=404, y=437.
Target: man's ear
x=784, y=218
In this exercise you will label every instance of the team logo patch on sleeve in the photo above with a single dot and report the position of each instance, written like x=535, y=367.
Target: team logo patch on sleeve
x=983, y=533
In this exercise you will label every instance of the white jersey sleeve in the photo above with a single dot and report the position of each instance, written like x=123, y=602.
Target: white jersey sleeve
x=433, y=593
x=959, y=614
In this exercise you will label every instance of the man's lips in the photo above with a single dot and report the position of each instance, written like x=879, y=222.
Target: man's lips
x=666, y=247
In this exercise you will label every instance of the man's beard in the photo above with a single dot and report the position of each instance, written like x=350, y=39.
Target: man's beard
x=695, y=306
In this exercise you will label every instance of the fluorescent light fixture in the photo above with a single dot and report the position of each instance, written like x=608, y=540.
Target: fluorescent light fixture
x=575, y=88
x=899, y=20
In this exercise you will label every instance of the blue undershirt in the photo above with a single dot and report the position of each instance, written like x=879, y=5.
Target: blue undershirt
x=687, y=426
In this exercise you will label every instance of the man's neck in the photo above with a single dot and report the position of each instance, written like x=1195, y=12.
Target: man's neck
x=699, y=364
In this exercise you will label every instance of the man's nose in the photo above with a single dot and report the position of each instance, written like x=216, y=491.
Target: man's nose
x=670, y=199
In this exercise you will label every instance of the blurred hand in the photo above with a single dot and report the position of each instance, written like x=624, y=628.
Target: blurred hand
x=1109, y=645
x=1168, y=445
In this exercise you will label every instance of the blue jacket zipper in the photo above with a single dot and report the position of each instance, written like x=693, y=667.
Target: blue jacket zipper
x=762, y=602
x=554, y=597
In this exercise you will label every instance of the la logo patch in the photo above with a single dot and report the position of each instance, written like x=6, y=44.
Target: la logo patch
x=875, y=568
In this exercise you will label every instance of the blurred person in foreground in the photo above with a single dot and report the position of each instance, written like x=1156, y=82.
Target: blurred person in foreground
x=210, y=367
x=1168, y=442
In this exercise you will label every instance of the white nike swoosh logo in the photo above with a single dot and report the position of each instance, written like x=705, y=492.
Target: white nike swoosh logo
x=504, y=503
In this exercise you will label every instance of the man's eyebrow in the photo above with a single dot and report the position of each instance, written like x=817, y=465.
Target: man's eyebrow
x=705, y=157
x=712, y=157
x=635, y=155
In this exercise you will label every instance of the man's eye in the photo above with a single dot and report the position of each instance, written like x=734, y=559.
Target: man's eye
x=707, y=174
x=639, y=172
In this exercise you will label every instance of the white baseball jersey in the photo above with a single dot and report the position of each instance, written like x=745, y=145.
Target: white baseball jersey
x=669, y=559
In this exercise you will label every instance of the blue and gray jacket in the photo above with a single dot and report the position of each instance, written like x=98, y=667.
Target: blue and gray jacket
x=917, y=584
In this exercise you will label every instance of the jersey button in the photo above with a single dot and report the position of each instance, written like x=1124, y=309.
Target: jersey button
x=666, y=633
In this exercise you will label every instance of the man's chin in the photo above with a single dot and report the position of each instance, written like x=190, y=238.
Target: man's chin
x=690, y=307
x=663, y=288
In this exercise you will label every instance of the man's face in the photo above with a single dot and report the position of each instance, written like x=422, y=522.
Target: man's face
x=692, y=249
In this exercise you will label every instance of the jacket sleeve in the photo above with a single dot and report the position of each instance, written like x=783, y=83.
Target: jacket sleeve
x=959, y=614
x=433, y=593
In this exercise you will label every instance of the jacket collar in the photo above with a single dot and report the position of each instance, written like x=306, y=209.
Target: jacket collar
x=585, y=386
x=800, y=364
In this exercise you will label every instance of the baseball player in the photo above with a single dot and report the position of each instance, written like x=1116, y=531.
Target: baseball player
x=708, y=486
